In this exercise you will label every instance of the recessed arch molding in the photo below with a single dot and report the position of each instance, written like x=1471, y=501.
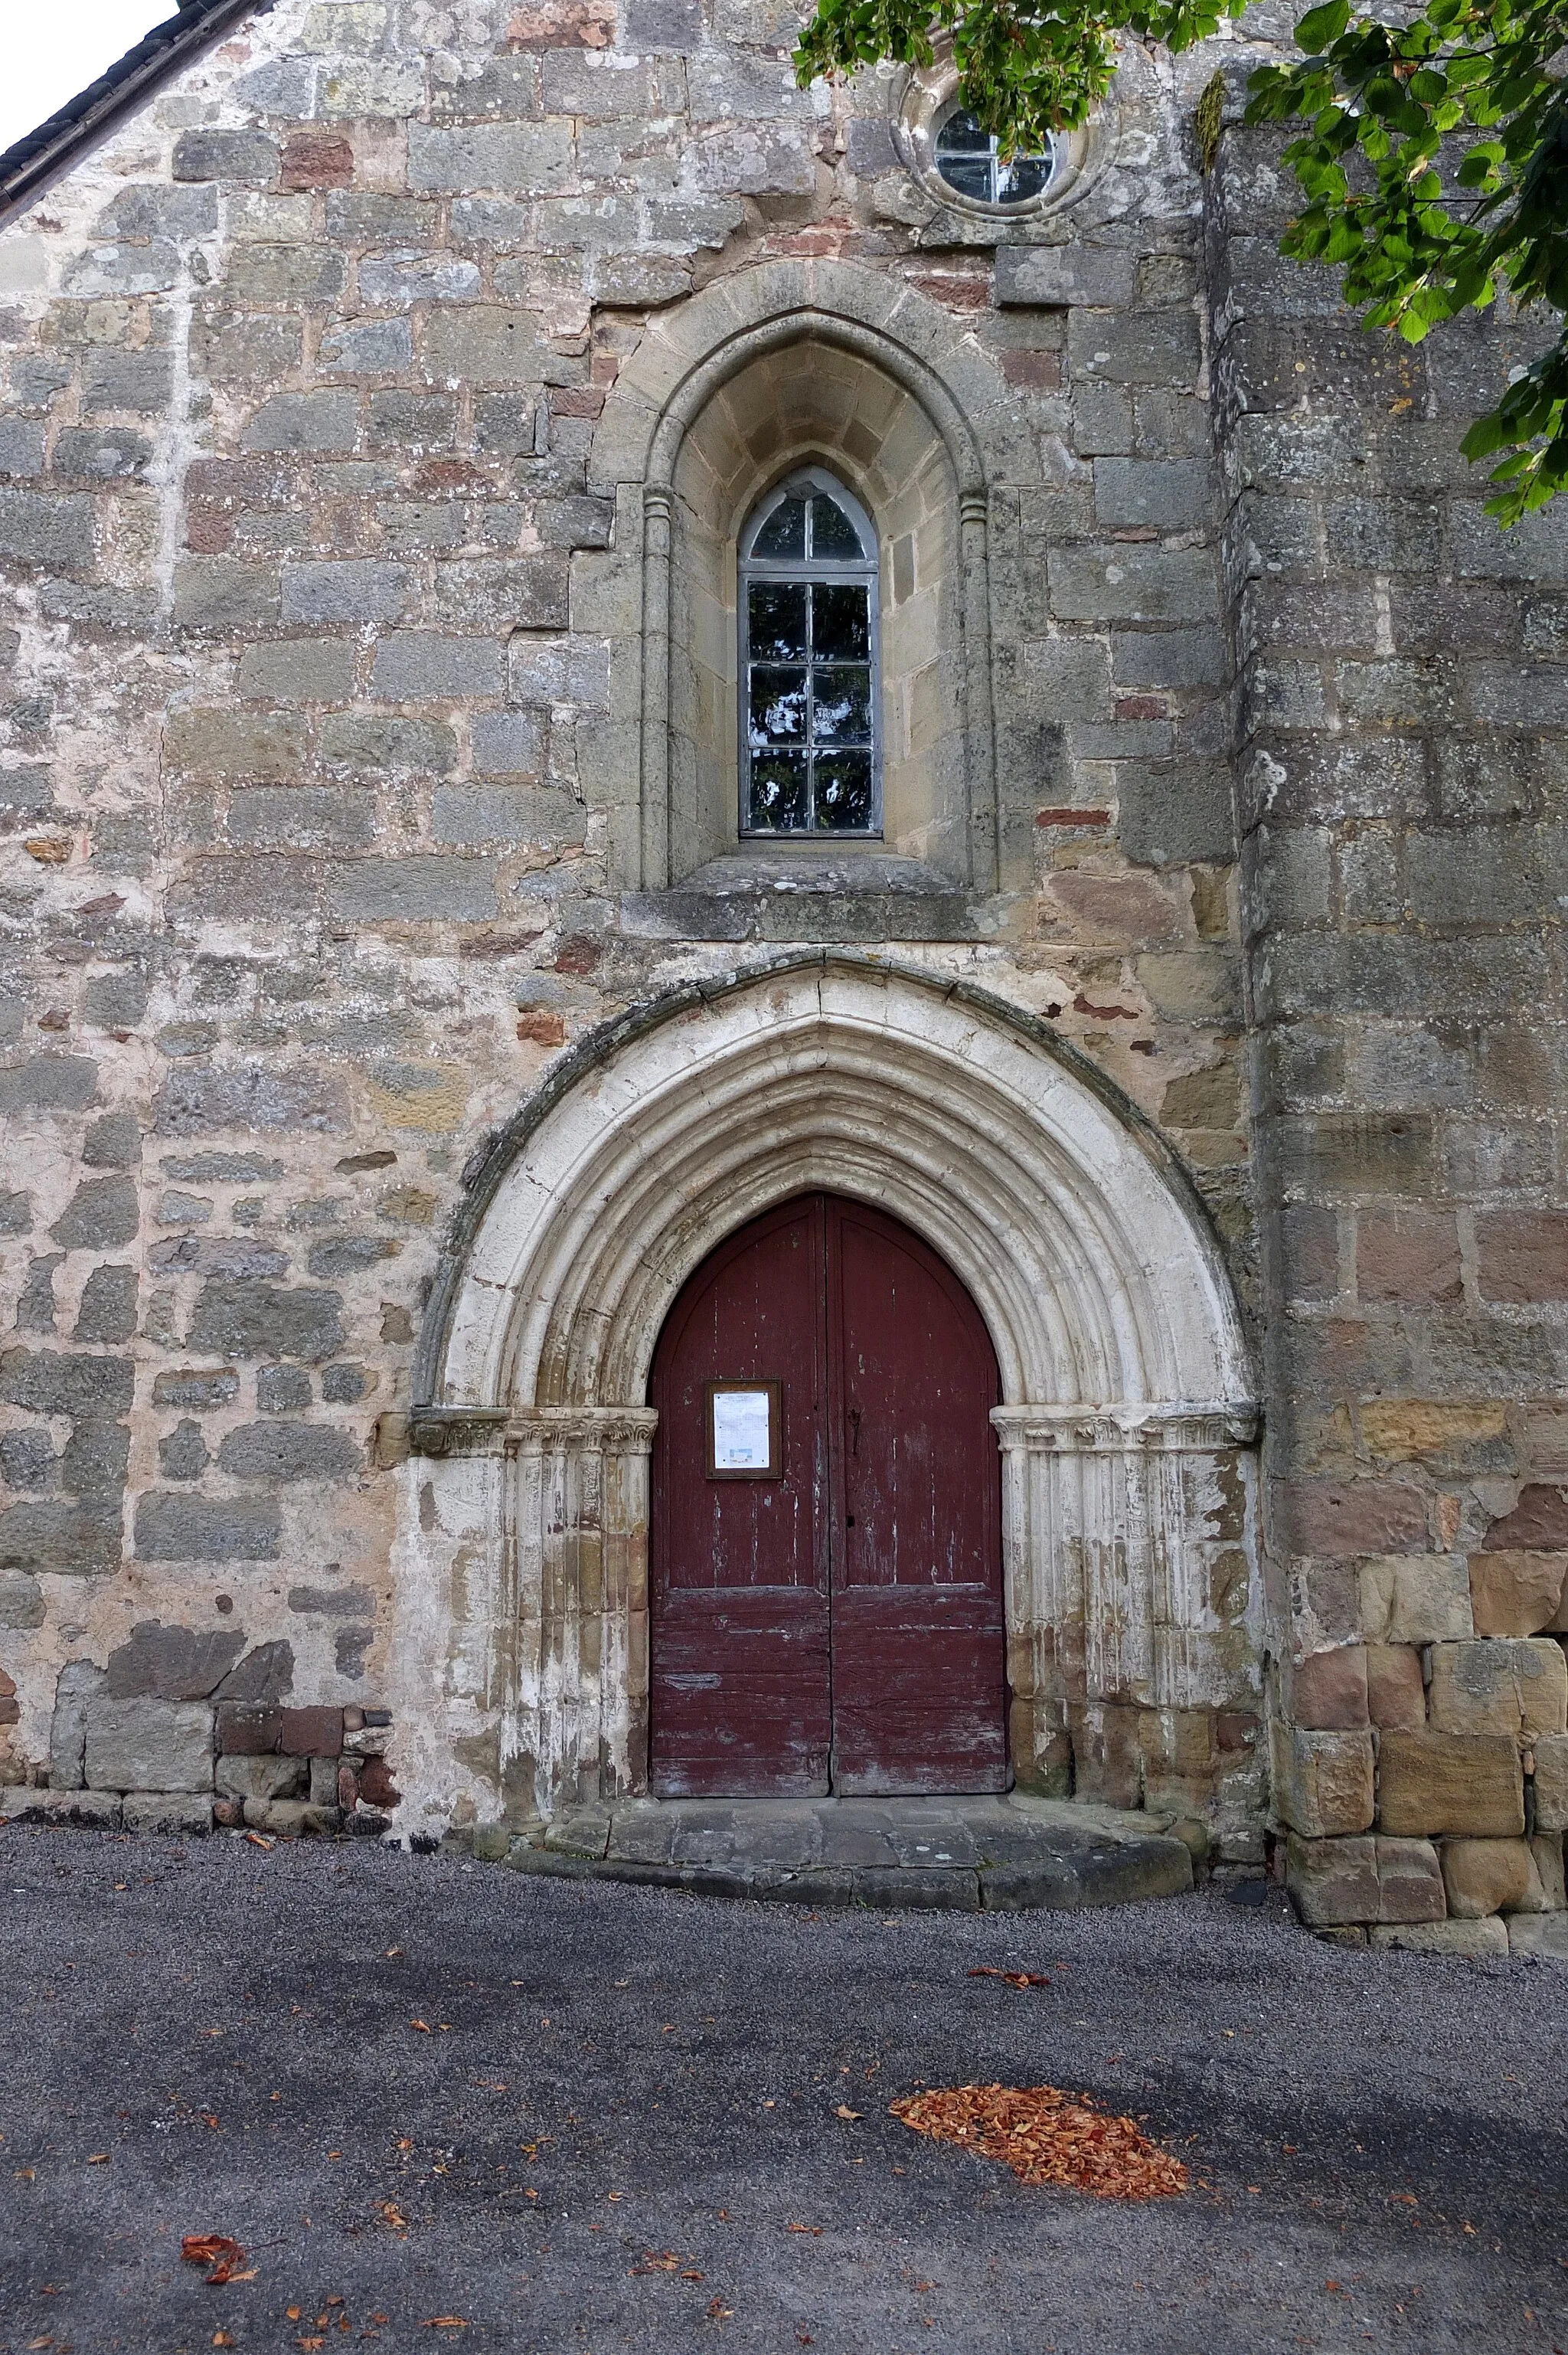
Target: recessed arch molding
x=745, y=325
x=1128, y=1413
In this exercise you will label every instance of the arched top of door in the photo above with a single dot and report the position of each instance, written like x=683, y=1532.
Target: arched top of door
x=1085, y=1245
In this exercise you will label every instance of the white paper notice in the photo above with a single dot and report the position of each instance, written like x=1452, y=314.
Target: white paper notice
x=741, y=1431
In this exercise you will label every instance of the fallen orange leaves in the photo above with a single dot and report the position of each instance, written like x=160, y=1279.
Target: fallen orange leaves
x=216, y=2250
x=1012, y=1978
x=1047, y=2138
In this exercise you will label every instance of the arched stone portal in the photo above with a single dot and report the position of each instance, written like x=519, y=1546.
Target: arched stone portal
x=1126, y=1415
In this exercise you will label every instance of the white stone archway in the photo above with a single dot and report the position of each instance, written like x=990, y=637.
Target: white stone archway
x=1128, y=1402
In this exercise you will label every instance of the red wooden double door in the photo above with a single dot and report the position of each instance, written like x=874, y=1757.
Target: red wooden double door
x=832, y=1621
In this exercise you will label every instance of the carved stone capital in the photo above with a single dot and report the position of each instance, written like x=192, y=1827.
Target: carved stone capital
x=1121, y=1427
x=620, y=1429
x=456, y=1431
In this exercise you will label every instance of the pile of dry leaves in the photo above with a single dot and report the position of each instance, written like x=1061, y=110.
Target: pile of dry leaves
x=1047, y=2138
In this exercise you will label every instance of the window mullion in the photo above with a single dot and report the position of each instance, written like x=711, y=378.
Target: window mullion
x=810, y=705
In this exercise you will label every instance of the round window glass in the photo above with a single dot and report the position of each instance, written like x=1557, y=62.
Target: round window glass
x=966, y=158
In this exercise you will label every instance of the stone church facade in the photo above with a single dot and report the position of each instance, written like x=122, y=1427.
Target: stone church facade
x=410, y=986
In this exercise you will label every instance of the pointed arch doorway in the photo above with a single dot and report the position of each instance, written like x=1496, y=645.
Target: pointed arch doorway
x=826, y=1588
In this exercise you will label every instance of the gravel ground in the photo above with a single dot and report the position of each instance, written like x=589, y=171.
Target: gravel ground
x=215, y=2037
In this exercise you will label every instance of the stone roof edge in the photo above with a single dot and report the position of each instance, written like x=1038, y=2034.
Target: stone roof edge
x=35, y=160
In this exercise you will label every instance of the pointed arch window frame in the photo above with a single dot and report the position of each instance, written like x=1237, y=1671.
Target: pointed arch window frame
x=808, y=482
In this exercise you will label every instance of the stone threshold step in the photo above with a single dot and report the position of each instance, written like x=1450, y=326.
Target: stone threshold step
x=956, y=1855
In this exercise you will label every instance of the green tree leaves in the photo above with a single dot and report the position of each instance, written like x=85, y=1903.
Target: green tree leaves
x=1431, y=154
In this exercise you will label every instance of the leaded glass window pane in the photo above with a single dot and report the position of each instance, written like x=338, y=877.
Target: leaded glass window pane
x=966, y=159
x=809, y=749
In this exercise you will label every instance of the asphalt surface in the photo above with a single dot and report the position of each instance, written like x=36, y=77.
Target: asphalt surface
x=218, y=2039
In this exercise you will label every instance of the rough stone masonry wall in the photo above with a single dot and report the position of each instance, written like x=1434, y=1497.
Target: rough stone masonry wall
x=1404, y=789
x=304, y=867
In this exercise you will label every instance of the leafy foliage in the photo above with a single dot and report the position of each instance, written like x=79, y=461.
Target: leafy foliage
x=1433, y=155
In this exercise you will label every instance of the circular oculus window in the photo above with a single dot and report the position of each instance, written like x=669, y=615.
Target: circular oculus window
x=957, y=162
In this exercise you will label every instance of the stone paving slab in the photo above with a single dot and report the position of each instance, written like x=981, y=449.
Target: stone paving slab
x=1008, y=1854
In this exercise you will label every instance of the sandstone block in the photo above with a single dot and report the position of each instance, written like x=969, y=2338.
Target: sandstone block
x=1546, y=1847
x=245, y=1318
x=101, y=1214
x=416, y=889
x=1329, y=1690
x=1490, y=1876
x=1540, y=1518
x=21, y=1601
x=246, y=157
x=282, y=1451
x=149, y=1745
x=1543, y=1937
x=1402, y=1428
x=306, y=421
x=174, y=1528
x=1470, y=1939
x=265, y=1777
x=1523, y=1255
x=172, y=1813
x=1057, y=276
x=1339, y=1518
x=368, y=347
x=523, y=158
x=1323, y=1782
x=1332, y=1881
x=1516, y=1593
x=1517, y=1686
x=413, y=664
x=291, y=1819
x=1463, y=1784
x=1408, y=1256
x=1550, y=1751
x=1409, y=1882
x=356, y=589
x=93, y=1810
x=1396, y=1692
x=79, y=1683
x=1421, y=1598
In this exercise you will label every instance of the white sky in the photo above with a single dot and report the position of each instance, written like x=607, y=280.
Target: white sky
x=52, y=49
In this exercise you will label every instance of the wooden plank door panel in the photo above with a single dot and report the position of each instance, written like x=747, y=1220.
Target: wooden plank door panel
x=740, y=1695
x=919, y=1632
x=842, y=1622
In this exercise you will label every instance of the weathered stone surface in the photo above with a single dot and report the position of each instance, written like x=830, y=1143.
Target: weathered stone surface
x=1516, y=1593
x=1462, y=1783
x=290, y=1450
x=1546, y=1847
x=1415, y=1598
x=1543, y=1936
x=1396, y=1692
x=1410, y=1881
x=51, y=1381
x=245, y=1318
x=1549, y=1751
x=171, y=1663
x=22, y=1603
x=1323, y=1782
x=1516, y=1687
x=167, y=1814
x=79, y=1683
x=261, y=1778
x=174, y=1528
x=1332, y=1881
x=1490, y=1876
x=1330, y=1689
x=101, y=1214
x=1469, y=1940
x=149, y=1745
